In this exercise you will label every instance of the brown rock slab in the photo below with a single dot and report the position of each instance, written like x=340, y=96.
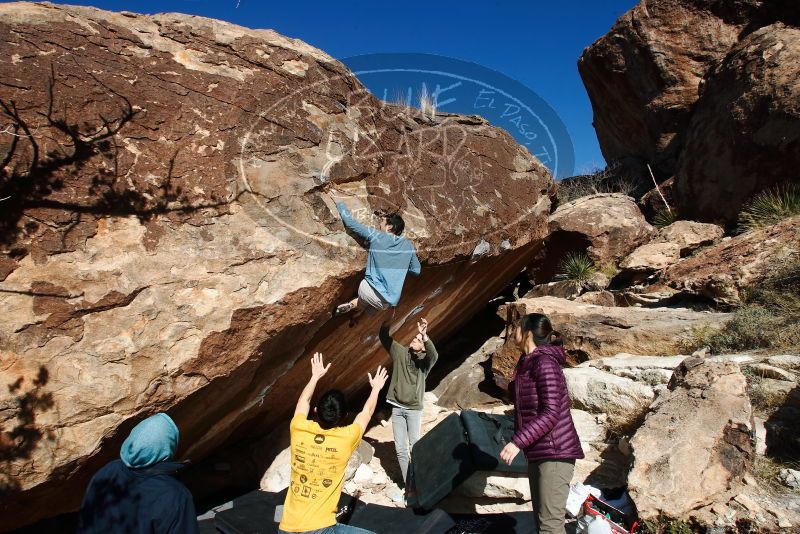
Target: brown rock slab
x=690, y=235
x=607, y=227
x=592, y=332
x=745, y=131
x=722, y=272
x=651, y=257
x=695, y=444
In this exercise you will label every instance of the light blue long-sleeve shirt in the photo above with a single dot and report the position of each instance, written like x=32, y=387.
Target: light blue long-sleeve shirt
x=390, y=257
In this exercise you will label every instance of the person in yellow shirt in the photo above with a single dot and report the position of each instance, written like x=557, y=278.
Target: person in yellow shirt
x=320, y=451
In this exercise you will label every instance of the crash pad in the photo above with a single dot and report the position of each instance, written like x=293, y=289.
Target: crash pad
x=253, y=513
x=487, y=435
x=440, y=461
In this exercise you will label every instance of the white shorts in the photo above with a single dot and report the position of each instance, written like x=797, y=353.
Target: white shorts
x=370, y=300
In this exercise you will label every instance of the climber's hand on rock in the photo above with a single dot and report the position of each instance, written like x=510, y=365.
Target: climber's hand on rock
x=379, y=380
x=509, y=452
x=318, y=369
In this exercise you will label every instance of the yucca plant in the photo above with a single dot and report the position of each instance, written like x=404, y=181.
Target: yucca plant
x=576, y=267
x=664, y=218
x=770, y=207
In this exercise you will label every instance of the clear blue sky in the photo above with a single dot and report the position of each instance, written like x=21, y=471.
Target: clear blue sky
x=534, y=42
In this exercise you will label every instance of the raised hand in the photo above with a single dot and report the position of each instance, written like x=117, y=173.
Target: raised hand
x=422, y=326
x=318, y=369
x=379, y=380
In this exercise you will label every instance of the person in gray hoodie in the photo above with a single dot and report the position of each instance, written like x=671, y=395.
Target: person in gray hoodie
x=410, y=368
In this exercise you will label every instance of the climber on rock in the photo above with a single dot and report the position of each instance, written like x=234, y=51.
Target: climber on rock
x=320, y=449
x=410, y=368
x=390, y=257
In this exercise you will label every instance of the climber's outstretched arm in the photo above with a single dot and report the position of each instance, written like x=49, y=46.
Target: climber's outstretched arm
x=365, y=232
x=415, y=268
x=318, y=370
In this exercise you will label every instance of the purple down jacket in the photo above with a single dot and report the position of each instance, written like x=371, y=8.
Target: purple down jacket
x=544, y=427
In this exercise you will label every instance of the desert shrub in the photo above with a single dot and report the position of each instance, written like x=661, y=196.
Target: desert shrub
x=770, y=207
x=664, y=218
x=576, y=267
x=626, y=423
x=663, y=525
x=769, y=318
x=765, y=400
x=766, y=470
x=610, y=270
x=607, y=180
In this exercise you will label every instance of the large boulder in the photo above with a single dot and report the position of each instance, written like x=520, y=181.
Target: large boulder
x=689, y=235
x=695, y=445
x=724, y=271
x=745, y=133
x=606, y=226
x=168, y=244
x=649, y=259
x=464, y=388
x=643, y=75
x=592, y=332
x=704, y=91
x=599, y=392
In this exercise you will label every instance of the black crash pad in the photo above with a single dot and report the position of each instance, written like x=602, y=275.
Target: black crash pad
x=455, y=449
x=440, y=461
x=487, y=435
x=253, y=514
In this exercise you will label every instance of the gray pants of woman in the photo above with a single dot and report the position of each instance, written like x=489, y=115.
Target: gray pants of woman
x=549, y=481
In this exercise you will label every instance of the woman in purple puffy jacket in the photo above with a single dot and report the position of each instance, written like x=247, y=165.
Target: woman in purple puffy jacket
x=544, y=428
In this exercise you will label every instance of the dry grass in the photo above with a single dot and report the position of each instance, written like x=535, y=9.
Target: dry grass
x=766, y=470
x=663, y=525
x=625, y=423
x=606, y=180
x=427, y=103
x=769, y=318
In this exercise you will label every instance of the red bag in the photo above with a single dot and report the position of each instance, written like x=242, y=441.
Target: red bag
x=616, y=519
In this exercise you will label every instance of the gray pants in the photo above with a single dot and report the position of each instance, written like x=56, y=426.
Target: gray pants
x=406, y=427
x=549, y=481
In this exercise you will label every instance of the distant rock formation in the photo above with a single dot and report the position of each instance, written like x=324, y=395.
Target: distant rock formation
x=704, y=91
x=167, y=245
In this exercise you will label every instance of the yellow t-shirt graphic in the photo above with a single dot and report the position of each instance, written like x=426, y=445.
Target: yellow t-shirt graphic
x=319, y=459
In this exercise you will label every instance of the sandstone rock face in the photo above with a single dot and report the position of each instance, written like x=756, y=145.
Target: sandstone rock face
x=652, y=202
x=723, y=271
x=705, y=92
x=461, y=389
x=168, y=244
x=597, y=391
x=593, y=332
x=606, y=226
x=643, y=75
x=651, y=257
x=695, y=444
x=689, y=235
x=745, y=133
